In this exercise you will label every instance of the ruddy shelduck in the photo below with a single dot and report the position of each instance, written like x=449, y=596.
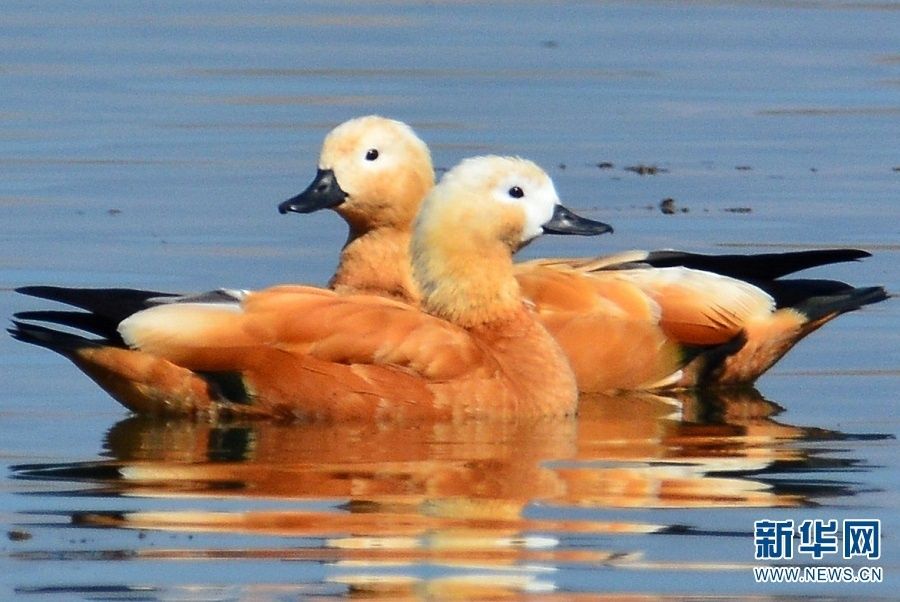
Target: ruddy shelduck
x=471, y=348
x=626, y=321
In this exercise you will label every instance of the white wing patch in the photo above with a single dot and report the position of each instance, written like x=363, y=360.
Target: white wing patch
x=733, y=296
x=185, y=324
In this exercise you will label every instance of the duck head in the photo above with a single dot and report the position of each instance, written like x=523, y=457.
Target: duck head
x=372, y=171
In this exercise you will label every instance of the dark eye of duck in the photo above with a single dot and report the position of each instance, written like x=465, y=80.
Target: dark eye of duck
x=371, y=154
x=516, y=192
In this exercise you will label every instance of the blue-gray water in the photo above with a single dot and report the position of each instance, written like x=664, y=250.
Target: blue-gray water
x=147, y=144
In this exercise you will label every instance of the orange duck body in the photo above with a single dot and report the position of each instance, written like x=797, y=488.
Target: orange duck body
x=631, y=321
x=472, y=348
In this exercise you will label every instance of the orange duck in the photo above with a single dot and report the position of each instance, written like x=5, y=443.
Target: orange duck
x=652, y=311
x=471, y=348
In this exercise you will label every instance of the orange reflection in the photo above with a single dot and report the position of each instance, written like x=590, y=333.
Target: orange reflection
x=623, y=451
x=479, y=495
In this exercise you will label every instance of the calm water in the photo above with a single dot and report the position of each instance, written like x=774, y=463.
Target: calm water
x=147, y=145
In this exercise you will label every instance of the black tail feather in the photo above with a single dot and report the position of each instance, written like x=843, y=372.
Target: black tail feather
x=61, y=342
x=817, y=307
x=76, y=319
x=114, y=304
x=761, y=266
x=793, y=292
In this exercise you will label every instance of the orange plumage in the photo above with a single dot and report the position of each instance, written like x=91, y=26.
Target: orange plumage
x=628, y=321
x=303, y=352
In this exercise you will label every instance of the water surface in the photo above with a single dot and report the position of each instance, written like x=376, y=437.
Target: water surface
x=148, y=145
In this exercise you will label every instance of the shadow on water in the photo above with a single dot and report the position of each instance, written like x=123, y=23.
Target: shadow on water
x=498, y=507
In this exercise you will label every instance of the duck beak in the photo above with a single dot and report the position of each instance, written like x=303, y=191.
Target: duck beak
x=566, y=222
x=323, y=193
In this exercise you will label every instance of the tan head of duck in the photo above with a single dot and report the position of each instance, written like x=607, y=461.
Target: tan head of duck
x=372, y=171
x=485, y=209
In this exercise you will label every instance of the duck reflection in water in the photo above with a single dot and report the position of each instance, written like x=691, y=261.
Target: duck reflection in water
x=641, y=451
x=490, y=495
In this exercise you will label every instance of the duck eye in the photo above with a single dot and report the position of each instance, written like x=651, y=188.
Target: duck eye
x=516, y=192
x=371, y=154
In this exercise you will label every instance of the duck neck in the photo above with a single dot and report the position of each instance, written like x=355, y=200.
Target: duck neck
x=470, y=285
x=480, y=294
x=376, y=261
